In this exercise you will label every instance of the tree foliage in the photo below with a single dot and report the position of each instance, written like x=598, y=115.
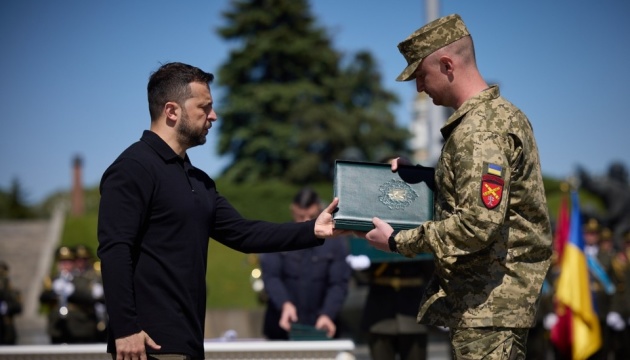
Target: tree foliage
x=291, y=106
x=13, y=203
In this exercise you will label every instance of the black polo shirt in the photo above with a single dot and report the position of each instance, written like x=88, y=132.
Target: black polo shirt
x=157, y=214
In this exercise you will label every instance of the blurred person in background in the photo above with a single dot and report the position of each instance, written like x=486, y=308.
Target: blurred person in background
x=618, y=318
x=305, y=286
x=10, y=306
x=70, y=298
x=87, y=268
x=601, y=283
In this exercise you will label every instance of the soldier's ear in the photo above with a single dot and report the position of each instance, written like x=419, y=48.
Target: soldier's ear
x=446, y=64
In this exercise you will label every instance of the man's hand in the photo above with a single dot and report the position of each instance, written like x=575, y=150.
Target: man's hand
x=325, y=323
x=324, y=226
x=132, y=347
x=379, y=236
x=289, y=315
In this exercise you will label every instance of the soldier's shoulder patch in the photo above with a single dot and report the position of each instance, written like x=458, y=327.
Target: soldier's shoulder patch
x=492, y=185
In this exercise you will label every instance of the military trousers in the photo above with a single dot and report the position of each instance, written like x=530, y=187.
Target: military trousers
x=492, y=343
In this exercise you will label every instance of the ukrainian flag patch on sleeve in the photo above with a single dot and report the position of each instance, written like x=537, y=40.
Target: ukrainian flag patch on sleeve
x=494, y=169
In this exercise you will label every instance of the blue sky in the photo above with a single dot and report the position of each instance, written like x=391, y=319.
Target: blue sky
x=73, y=74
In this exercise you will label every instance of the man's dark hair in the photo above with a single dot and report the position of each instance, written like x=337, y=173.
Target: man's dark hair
x=305, y=198
x=171, y=82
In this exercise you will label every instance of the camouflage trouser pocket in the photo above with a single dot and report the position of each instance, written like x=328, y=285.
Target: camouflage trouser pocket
x=489, y=343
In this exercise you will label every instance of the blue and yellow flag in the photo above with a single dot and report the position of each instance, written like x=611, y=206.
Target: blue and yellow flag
x=573, y=290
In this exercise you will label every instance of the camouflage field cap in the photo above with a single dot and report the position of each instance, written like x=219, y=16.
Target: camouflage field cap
x=426, y=40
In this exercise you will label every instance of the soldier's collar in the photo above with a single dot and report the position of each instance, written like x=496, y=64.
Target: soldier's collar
x=491, y=92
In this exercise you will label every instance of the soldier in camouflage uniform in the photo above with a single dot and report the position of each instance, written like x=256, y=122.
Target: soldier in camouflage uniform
x=491, y=234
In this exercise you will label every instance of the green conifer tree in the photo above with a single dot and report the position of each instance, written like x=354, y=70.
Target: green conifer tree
x=290, y=108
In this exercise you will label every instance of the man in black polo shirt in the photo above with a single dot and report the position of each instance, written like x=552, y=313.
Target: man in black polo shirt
x=157, y=213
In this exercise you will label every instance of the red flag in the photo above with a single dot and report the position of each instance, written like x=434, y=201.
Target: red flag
x=561, y=237
x=561, y=332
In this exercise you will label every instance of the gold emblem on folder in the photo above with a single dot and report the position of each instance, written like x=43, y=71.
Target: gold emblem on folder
x=397, y=194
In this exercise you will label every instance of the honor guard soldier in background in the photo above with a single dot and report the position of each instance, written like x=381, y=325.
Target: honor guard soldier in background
x=10, y=305
x=599, y=261
x=391, y=307
x=86, y=267
x=618, y=319
x=70, y=298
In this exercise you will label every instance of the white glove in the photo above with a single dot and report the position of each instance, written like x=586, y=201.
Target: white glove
x=443, y=328
x=229, y=335
x=615, y=321
x=4, y=308
x=97, y=291
x=358, y=262
x=550, y=321
x=63, y=287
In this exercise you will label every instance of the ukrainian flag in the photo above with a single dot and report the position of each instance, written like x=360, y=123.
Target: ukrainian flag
x=573, y=290
x=494, y=169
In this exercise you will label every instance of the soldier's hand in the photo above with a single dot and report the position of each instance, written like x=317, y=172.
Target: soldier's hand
x=398, y=161
x=132, y=347
x=379, y=236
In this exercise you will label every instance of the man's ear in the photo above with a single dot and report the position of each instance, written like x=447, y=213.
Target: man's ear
x=172, y=111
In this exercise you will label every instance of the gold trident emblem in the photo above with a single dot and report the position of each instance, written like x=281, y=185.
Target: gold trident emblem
x=491, y=190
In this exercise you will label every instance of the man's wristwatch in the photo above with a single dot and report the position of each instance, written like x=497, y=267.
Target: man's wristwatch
x=392, y=242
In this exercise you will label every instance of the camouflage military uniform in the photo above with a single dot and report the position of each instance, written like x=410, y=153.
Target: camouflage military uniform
x=491, y=235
